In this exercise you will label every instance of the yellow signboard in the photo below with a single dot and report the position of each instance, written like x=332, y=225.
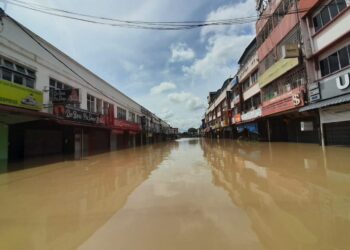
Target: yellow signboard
x=278, y=69
x=16, y=95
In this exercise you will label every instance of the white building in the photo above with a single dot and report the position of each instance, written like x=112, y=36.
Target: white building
x=50, y=104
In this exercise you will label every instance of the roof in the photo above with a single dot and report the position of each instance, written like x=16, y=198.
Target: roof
x=329, y=102
x=247, y=51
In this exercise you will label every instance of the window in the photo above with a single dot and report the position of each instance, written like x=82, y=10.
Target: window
x=335, y=62
x=121, y=113
x=17, y=73
x=343, y=57
x=329, y=12
x=131, y=117
x=91, y=103
x=57, y=85
x=324, y=67
x=105, y=108
x=98, y=105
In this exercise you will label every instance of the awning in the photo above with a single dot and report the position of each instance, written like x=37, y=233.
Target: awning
x=329, y=102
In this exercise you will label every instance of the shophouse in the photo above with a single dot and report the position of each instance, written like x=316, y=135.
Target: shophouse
x=251, y=121
x=327, y=48
x=52, y=105
x=218, y=114
x=282, y=73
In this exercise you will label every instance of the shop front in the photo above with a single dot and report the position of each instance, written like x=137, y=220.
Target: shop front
x=330, y=97
x=18, y=105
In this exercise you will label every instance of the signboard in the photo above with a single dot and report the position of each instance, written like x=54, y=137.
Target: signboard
x=76, y=114
x=335, y=85
x=251, y=114
x=16, y=95
x=276, y=70
x=238, y=118
x=65, y=96
x=289, y=100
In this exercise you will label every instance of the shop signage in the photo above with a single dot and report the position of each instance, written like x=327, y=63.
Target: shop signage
x=330, y=87
x=66, y=96
x=126, y=125
x=290, y=100
x=251, y=114
x=238, y=118
x=16, y=95
x=76, y=114
x=276, y=70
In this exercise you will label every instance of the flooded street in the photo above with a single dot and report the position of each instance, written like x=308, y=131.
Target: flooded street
x=189, y=194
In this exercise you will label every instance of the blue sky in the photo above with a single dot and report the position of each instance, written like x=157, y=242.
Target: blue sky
x=169, y=72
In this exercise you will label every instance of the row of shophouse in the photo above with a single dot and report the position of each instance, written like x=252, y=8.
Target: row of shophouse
x=293, y=82
x=52, y=105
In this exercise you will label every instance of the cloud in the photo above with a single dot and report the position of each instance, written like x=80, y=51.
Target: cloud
x=162, y=87
x=224, y=44
x=180, y=52
x=192, y=102
x=166, y=114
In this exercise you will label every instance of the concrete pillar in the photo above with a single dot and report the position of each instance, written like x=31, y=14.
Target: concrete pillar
x=321, y=129
x=3, y=147
x=268, y=130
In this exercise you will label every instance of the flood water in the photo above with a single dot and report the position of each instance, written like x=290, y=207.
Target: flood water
x=189, y=194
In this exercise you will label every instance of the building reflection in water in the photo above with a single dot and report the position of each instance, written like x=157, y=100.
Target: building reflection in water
x=297, y=196
x=60, y=205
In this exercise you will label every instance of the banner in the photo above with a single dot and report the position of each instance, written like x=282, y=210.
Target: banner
x=16, y=95
x=65, y=96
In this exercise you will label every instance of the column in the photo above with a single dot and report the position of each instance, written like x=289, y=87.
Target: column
x=3, y=147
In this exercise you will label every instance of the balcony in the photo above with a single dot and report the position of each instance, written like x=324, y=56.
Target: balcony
x=251, y=115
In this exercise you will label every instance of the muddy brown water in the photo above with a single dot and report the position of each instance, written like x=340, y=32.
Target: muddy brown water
x=189, y=194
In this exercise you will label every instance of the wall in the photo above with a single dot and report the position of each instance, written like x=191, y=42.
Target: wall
x=18, y=46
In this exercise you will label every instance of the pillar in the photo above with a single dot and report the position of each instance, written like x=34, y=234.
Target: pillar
x=3, y=147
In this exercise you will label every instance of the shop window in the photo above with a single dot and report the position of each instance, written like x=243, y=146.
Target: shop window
x=91, y=103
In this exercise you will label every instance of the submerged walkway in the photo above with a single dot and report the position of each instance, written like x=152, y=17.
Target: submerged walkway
x=189, y=194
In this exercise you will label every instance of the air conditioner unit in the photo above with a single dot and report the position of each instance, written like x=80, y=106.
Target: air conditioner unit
x=289, y=51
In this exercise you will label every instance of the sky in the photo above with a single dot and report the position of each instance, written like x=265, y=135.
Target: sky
x=168, y=72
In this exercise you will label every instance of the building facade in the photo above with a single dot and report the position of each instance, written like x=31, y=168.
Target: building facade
x=327, y=47
x=52, y=105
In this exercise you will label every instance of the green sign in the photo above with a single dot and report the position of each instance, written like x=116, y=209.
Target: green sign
x=16, y=95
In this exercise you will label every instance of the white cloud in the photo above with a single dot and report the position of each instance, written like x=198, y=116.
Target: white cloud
x=181, y=52
x=166, y=114
x=225, y=44
x=192, y=102
x=162, y=87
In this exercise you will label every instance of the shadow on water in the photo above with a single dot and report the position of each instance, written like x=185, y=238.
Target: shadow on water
x=60, y=205
x=297, y=196
x=34, y=162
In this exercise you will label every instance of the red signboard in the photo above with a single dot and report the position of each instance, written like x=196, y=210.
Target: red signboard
x=125, y=125
x=292, y=99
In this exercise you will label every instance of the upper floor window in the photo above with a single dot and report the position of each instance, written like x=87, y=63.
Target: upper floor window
x=329, y=12
x=106, y=108
x=121, y=113
x=91, y=103
x=16, y=73
x=98, y=105
x=335, y=61
x=131, y=117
